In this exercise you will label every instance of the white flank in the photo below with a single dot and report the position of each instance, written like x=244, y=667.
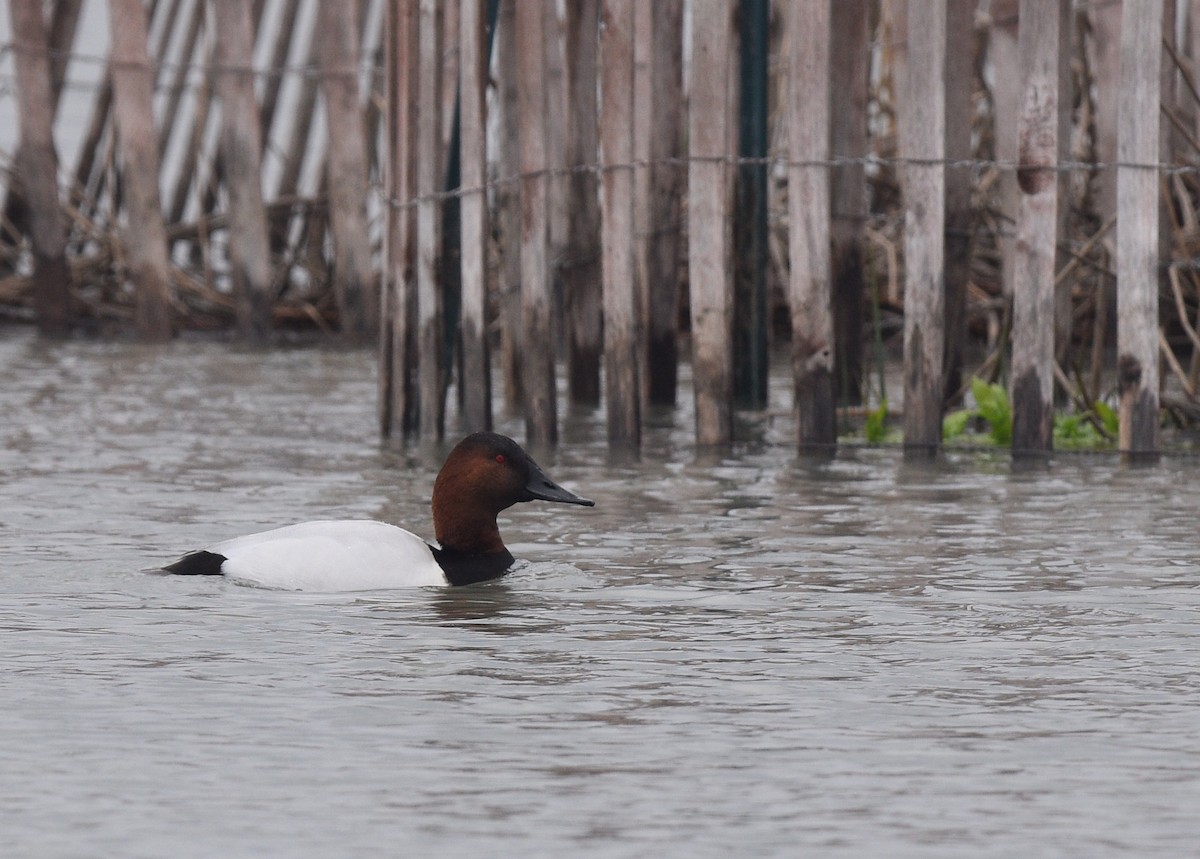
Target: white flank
x=345, y=555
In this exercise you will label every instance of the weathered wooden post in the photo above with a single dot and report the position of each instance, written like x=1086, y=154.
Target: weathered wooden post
x=662, y=267
x=621, y=367
x=60, y=37
x=429, y=219
x=541, y=410
x=850, y=54
x=960, y=83
x=710, y=115
x=398, y=358
x=241, y=144
x=473, y=80
x=1006, y=111
x=346, y=166
x=923, y=141
x=145, y=236
x=39, y=169
x=508, y=206
x=558, y=96
x=810, y=291
x=1042, y=25
x=581, y=271
x=642, y=121
x=1137, y=226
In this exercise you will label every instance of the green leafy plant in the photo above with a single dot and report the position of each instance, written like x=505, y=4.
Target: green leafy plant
x=1107, y=416
x=994, y=408
x=1076, y=432
x=991, y=405
x=955, y=423
x=876, y=428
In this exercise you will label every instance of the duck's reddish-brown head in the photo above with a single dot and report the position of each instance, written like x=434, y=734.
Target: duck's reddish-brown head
x=484, y=474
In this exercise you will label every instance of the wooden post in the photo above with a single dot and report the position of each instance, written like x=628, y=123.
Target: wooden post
x=666, y=197
x=581, y=271
x=1137, y=226
x=557, y=116
x=508, y=206
x=209, y=193
x=39, y=169
x=240, y=146
x=810, y=291
x=61, y=36
x=346, y=163
x=709, y=197
x=642, y=118
x=541, y=419
x=960, y=84
x=429, y=219
x=1033, y=286
x=133, y=102
x=621, y=369
x=1006, y=62
x=473, y=79
x=850, y=54
x=398, y=359
x=923, y=139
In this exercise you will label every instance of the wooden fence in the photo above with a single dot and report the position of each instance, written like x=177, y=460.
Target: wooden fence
x=595, y=186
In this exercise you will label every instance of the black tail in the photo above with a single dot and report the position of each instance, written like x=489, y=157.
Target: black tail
x=202, y=563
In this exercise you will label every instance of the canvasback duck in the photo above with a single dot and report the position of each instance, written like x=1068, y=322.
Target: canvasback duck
x=484, y=474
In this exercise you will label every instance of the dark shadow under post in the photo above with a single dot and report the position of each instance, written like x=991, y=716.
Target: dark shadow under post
x=750, y=210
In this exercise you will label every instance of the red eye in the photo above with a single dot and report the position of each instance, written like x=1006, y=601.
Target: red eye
x=500, y=457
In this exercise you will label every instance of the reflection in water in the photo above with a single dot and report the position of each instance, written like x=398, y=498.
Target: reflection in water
x=736, y=652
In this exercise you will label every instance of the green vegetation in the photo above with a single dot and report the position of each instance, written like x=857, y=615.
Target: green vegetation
x=876, y=428
x=1089, y=430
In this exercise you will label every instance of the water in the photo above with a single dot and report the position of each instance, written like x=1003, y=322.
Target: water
x=749, y=655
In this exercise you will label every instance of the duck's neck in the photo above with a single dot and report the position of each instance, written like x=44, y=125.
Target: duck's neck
x=466, y=528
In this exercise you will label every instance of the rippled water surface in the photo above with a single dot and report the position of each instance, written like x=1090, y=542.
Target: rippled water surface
x=747, y=655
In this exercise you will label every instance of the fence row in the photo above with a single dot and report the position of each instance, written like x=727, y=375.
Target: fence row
x=601, y=184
